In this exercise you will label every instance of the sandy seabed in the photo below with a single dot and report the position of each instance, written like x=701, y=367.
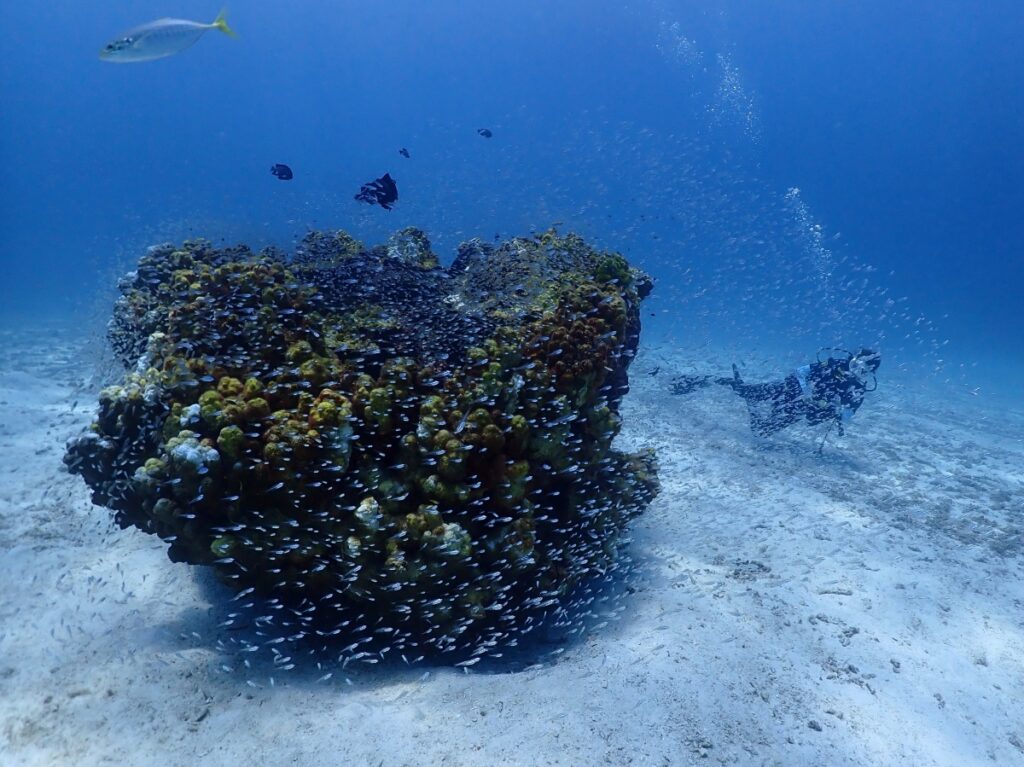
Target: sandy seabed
x=861, y=606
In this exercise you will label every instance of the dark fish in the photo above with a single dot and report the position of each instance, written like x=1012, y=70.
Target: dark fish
x=282, y=171
x=654, y=371
x=404, y=152
x=485, y=132
x=382, y=191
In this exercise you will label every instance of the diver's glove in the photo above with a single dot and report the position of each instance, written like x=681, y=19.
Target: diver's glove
x=844, y=415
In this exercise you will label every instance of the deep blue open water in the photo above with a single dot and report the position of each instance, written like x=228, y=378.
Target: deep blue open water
x=794, y=174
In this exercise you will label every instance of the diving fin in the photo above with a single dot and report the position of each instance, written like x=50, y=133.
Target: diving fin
x=687, y=384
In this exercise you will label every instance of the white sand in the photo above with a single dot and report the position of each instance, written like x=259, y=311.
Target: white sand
x=862, y=607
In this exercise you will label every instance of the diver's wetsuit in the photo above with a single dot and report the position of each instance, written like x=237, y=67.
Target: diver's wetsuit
x=819, y=392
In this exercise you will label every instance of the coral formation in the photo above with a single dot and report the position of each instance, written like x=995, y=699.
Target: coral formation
x=374, y=444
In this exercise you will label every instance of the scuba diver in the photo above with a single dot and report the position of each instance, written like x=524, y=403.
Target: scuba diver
x=829, y=391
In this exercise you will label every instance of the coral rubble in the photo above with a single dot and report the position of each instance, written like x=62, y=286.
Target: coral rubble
x=372, y=443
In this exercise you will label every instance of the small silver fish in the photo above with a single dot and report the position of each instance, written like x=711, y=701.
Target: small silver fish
x=160, y=38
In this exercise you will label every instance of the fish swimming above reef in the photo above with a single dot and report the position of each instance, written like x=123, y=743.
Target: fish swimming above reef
x=404, y=152
x=159, y=39
x=485, y=132
x=382, y=191
x=282, y=171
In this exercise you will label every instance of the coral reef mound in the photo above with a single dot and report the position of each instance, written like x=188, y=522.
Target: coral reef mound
x=377, y=446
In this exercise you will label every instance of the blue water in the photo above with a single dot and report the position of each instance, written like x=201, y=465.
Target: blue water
x=794, y=174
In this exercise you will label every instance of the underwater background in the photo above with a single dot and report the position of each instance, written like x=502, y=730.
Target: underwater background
x=793, y=174
x=650, y=569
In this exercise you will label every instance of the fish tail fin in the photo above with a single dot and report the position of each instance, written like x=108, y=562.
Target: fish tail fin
x=221, y=23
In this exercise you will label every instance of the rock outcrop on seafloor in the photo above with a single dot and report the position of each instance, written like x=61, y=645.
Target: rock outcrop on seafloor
x=372, y=443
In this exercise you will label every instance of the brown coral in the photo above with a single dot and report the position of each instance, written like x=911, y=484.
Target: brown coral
x=372, y=439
